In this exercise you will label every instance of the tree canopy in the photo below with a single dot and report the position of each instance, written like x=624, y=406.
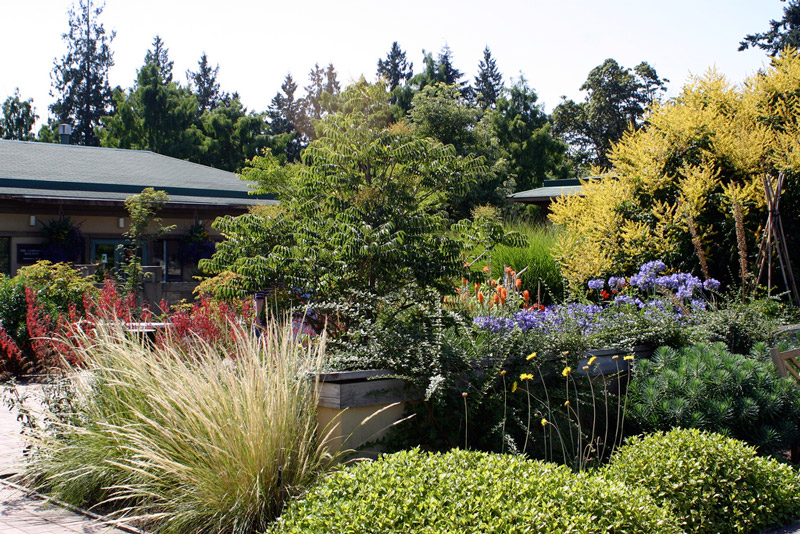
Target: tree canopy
x=674, y=189
x=80, y=78
x=19, y=117
x=364, y=212
x=616, y=101
x=782, y=34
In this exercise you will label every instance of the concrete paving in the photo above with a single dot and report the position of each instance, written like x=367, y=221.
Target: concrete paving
x=26, y=512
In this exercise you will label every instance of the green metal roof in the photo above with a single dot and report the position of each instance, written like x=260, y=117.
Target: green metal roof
x=550, y=190
x=49, y=170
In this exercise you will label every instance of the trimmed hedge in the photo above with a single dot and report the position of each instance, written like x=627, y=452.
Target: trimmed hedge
x=710, y=483
x=464, y=492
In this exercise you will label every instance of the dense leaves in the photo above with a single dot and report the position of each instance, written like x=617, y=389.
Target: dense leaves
x=462, y=491
x=710, y=388
x=709, y=482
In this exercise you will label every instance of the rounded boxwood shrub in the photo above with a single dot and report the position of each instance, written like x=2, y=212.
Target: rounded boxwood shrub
x=463, y=491
x=709, y=388
x=710, y=483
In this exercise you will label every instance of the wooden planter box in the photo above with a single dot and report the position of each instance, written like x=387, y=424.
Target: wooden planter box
x=358, y=407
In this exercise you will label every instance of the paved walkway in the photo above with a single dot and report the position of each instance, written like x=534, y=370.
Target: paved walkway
x=25, y=512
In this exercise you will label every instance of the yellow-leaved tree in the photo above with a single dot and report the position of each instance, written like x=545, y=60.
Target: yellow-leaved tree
x=676, y=189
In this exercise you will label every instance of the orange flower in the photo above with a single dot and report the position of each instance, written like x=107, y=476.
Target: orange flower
x=508, y=270
x=496, y=298
x=486, y=268
x=480, y=297
x=519, y=283
x=526, y=295
x=494, y=283
x=477, y=286
x=464, y=281
x=458, y=290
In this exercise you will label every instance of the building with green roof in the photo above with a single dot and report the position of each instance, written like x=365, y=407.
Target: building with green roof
x=43, y=182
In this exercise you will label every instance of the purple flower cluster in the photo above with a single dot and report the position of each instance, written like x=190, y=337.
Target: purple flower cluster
x=587, y=319
x=597, y=284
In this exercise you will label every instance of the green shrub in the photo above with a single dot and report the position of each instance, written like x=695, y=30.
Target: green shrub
x=740, y=325
x=57, y=287
x=464, y=491
x=213, y=442
x=711, y=483
x=710, y=388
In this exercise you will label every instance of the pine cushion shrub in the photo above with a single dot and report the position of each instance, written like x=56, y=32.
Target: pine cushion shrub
x=711, y=483
x=710, y=388
x=464, y=492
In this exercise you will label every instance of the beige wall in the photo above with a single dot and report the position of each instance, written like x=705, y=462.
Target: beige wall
x=107, y=226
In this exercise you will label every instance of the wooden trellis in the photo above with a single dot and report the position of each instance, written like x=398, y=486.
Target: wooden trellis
x=774, y=239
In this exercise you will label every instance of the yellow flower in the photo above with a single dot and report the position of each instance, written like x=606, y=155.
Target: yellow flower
x=514, y=387
x=566, y=403
x=531, y=356
x=503, y=372
x=464, y=394
x=565, y=353
x=628, y=357
x=614, y=357
x=544, y=421
x=585, y=367
x=526, y=376
x=592, y=359
x=566, y=371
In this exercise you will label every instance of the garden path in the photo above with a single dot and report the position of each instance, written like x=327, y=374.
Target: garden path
x=26, y=512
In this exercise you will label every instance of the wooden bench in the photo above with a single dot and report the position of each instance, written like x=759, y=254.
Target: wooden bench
x=786, y=362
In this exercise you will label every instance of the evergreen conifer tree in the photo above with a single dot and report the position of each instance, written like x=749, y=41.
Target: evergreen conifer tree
x=80, y=78
x=489, y=81
x=159, y=56
x=395, y=68
x=205, y=86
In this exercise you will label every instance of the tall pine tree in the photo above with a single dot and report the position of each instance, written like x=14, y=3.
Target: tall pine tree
x=284, y=113
x=395, y=69
x=80, y=79
x=488, y=82
x=205, y=86
x=159, y=56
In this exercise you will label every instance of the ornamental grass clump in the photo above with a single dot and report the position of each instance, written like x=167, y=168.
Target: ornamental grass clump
x=465, y=491
x=205, y=441
x=709, y=482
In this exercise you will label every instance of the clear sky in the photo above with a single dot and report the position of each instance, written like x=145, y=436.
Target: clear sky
x=553, y=43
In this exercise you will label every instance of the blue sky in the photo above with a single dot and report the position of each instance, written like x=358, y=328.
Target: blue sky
x=554, y=44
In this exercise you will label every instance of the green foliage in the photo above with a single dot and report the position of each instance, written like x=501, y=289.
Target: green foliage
x=57, y=286
x=365, y=212
x=617, y=98
x=395, y=69
x=783, y=34
x=461, y=491
x=145, y=226
x=441, y=112
x=524, y=133
x=710, y=388
x=80, y=78
x=209, y=441
x=740, y=325
x=488, y=82
x=709, y=482
x=153, y=115
x=673, y=188
x=536, y=257
x=19, y=117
